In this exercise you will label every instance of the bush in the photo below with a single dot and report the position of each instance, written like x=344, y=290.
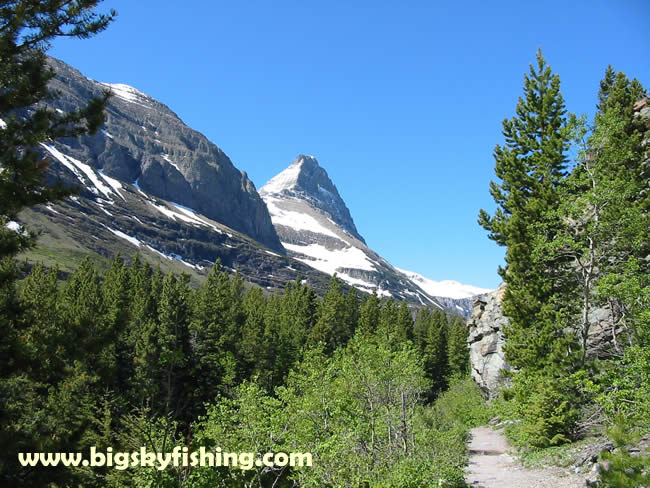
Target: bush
x=549, y=408
x=624, y=470
x=462, y=403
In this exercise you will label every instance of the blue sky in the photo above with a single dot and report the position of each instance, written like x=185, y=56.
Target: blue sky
x=401, y=102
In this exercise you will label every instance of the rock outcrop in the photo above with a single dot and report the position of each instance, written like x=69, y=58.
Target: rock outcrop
x=486, y=341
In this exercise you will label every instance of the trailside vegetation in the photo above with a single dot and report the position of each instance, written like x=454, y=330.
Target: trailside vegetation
x=137, y=358
x=577, y=243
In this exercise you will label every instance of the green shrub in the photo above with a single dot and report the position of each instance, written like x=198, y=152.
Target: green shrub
x=624, y=470
x=463, y=403
x=549, y=409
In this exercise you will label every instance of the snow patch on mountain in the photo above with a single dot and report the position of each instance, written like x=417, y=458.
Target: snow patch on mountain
x=116, y=185
x=295, y=220
x=124, y=236
x=168, y=159
x=175, y=257
x=76, y=166
x=285, y=180
x=127, y=93
x=13, y=225
x=445, y=288
x=331, y=261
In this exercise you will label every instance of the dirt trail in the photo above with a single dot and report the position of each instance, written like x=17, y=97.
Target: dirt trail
x=491, y=466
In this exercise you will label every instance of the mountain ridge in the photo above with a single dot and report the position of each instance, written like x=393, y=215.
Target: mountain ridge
x=146, y=143
x=311, y=232
x=150, y=184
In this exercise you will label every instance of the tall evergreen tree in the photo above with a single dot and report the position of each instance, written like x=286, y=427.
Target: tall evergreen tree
x=293, y=322
x=531, y=165
x=43, y=335
x=257, y=348
x=27, y=28
x=216, y=335
x=332, y=328
x=387, y=327
x=172, y=369
x=532, y=168
x=457, y=349
x=369, y=314
x=405, y=321
x=430, y=333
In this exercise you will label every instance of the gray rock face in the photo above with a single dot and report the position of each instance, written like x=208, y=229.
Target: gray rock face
x=486, y=341
x=145, y=143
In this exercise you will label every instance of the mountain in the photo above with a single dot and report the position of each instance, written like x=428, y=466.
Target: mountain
x=148, y=183
x=446, y=288
x=144, y=143
x=306, y=180
x=316, y=228
x=452, y=294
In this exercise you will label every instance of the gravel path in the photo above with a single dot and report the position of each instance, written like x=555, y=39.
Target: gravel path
x=490, y=466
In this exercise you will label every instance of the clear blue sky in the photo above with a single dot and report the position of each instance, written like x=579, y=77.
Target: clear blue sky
x=401, y=102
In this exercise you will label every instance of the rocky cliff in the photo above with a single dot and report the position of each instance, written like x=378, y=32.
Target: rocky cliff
x=486, y=341
x=146, y=144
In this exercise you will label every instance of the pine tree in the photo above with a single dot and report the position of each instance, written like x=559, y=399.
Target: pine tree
x=531, y=165
x=369, y=314
x=331, y=328
x=216, y=336
x=42, y=330
x=421, y=326
x=351, y=311
x=430, y=333
x=532, y=168
x=457, y=350
x=135, y=347
x=405, y=322
x=294, y=321
x=172, y=367
x=607, y=234
x=116, y=295
x=28, y=27
x=395, y=324
x=436, y=361
x=257, y=348
x=281, y=351
x=83, y=311
x=387, y=327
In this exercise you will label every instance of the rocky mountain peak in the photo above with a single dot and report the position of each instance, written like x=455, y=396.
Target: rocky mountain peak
x=306, y=180
x=144, y=144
